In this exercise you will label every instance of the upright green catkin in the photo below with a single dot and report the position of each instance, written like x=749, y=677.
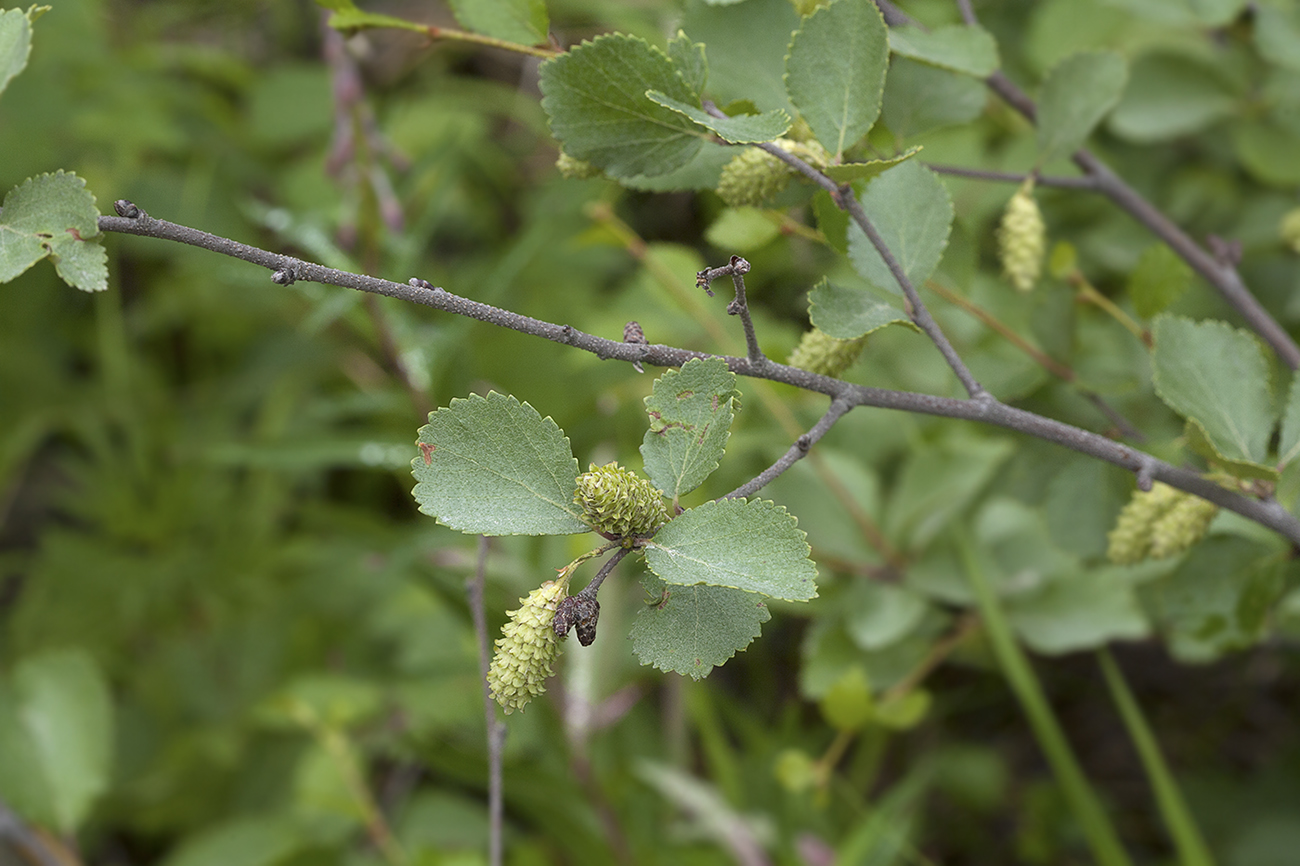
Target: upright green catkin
x=1022, y=239
x=819, y=352
x=619, y=503
x=527, y=648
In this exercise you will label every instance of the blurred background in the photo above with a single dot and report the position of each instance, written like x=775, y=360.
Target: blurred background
x=206, y=528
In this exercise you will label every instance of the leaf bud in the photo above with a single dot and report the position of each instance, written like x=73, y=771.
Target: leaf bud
x=1022, y=239
x=581, y=611
x=618, y=503
x=526, y=649
x=819, y=352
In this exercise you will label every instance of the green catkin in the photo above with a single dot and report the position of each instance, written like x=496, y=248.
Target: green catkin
x=1022, y=239
x=1159, y=524
x=1130, y=540
x=527, y=648
x=754, y=176
x=618, y=503
x=1181, y=526
x=576, y=169
x=819, y=352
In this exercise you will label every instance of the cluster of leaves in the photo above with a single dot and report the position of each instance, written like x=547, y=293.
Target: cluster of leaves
x=218, y=601
x=493, y=466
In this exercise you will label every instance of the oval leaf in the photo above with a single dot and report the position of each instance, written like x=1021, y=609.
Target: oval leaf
x=1217, y=375
x=595, y=96
x=62, y=724
x=756, y=546
x=970, y=50
x=742, y=129
x=1076, y=96
x=494, y=466
x=522, y=21
x=847, y=314
x=835, y=71
x=690, y=420
x=693, y=629
x=911, y=209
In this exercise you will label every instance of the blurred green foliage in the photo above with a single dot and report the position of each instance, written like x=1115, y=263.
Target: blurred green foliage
x=205, y=515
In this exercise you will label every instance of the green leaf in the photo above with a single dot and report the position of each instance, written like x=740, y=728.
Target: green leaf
x=835, y=72
x=690, y=421
x=1217, y=375
x=702, y=172
x=1277, y=34
x=1198, y=442
x=1267, y=149
x=53, y=216
x=920, y=98
x=1288, y=447
x=847, y=314
x=937, y=483
x=690, y=61
x=851, y=171
x=755, y=546
x=692, y=629
x=741, y=229
x=970, y=50
x=56, y=738
x=1160, y=277
x=1215, y=601
x=831, y=221
x=595, y=96
x=905, y=712
x=522, y=21
x=261, y=841
x=1078, y=611
x=1075, y=97
x=847, y=704
x=347, y=17
x=1171, y=95
x=878, y=614
x=15, y=44
x=493, y=466
x=911, y=210
x=743, y=129
x=746, y=45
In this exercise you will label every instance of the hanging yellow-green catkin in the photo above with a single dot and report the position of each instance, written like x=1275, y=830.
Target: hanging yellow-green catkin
x=619, y=503
x=527, y=648
x=754, y=175
x=1289, y=229
x=576, y=169
x=1161, y=523
x=1022, y=239
x=819, y=352
x=1181, y=526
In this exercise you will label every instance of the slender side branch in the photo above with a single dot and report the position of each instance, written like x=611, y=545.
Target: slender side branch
x=988, y=411
x=739, y=306
x=1084, y=183
x=1220, y=273
x=590, y=590
x=496, y=729
x=837, y=410
x=845, y=199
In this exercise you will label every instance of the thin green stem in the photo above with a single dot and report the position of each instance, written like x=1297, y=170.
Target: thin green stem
x=1192, y=850
x=1079, y=793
